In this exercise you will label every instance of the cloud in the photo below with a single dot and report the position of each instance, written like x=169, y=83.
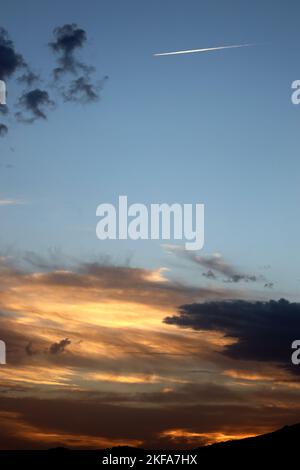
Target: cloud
x=57, y=348
x=3, y=130
x=34, y=105
x=54, y=260
x=102, y=307
x=113, y=315
x=209, y=274
x=269, y=285
x=264, y=331
x=126, y=283
x=10, y=202
x=82, y=90
x=10, y=63
x=10, y=60
x=29, y=349
x=242, y=277
x=39, y=423
x=3, y=109
x=96, y=280
x=215, y=263
x=68, y=39
x=29, y=78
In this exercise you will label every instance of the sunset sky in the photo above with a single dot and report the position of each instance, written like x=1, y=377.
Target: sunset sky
x=141, y=342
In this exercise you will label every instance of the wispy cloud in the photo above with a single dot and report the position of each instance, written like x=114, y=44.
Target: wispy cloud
x=11, y=202
x=215, y=265
x=208, y=49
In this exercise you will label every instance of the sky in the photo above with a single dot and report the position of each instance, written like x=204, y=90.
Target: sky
x=217, y=128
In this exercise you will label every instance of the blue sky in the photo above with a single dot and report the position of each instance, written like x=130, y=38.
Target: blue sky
x=216, y=128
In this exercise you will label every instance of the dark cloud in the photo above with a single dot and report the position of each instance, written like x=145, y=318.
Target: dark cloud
x=29, y=349
x=3, y=130
x=54, y=419
x=68, y=39
x=100, y=280
x=22, y=343
x=10, y=60
x=57, y=348
x=216, y=264
x=34, y=105
x=264, y=330
x=10, y=63
x=209, y=274
x=82, y=90
x=3, y=109
x=269, y=285
x=54, y=260
x=242, y=277
x=29, y=78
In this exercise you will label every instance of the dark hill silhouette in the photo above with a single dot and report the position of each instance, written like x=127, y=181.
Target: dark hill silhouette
x=280, y=447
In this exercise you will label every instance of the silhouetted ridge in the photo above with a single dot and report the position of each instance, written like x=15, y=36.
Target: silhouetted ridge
x=280, y=447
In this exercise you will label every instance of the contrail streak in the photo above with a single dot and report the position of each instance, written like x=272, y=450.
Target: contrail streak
x=192, y=51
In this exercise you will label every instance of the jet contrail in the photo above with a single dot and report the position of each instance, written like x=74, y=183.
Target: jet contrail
x=192, y=51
